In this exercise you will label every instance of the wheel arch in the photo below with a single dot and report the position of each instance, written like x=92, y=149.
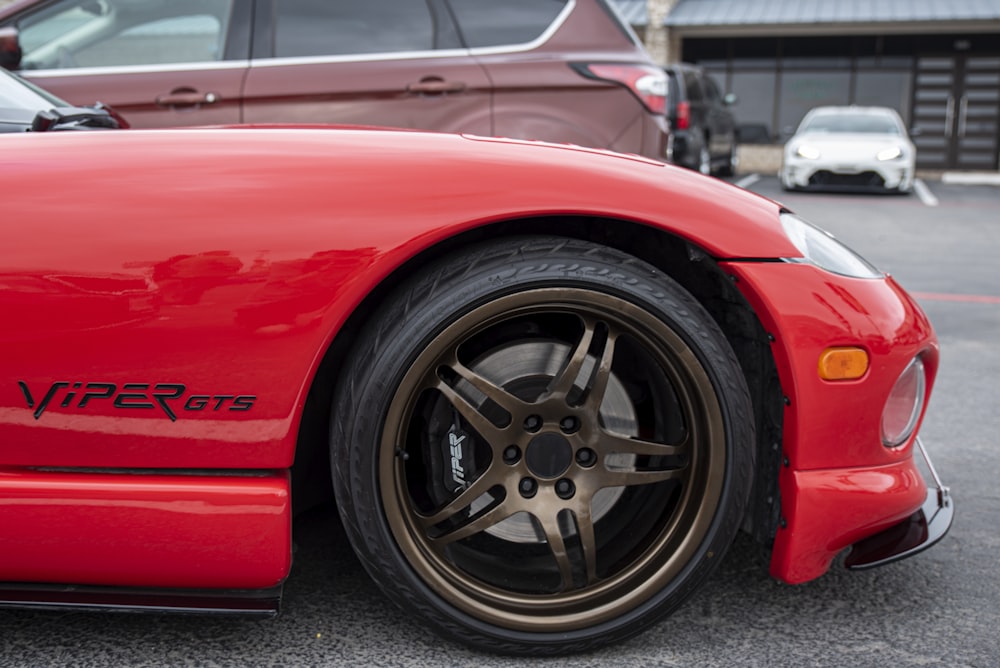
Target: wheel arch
x=694, y=269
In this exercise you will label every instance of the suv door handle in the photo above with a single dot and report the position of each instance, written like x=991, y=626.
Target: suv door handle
x=435, y=86
x=186, y=98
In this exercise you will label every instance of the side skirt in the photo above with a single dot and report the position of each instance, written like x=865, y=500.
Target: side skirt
x=252, y=602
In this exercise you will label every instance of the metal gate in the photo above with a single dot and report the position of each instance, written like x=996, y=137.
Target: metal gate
x=956, y=112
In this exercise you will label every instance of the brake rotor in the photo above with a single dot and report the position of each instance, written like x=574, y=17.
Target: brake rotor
x=525, y=369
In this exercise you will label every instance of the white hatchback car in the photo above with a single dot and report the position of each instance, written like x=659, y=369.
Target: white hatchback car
x=849, y=148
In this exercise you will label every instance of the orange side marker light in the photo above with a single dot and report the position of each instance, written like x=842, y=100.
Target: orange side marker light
x=846, y=363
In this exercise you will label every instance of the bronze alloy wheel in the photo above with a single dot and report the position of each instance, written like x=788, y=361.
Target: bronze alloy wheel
x=556, y=457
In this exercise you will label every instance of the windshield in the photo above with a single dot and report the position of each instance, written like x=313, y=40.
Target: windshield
x=16, y=93
x=854, y=123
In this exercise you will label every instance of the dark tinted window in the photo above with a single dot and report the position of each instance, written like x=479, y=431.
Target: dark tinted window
x=693, y=87
x=712, y=91
x=345, y=27
x=502, y=22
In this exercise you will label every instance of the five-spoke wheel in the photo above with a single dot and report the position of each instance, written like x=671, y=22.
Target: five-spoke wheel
x=550, y=446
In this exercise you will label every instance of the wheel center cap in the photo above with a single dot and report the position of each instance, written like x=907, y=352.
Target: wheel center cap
x=548, y=455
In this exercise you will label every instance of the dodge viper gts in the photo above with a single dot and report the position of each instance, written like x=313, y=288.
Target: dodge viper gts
x=546, y=385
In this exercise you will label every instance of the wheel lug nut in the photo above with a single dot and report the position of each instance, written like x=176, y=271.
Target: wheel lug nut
x=569, y=424
x=528, y=487
x=511, y=454
x=586, y=457
x=532, y=423
x=565, y=488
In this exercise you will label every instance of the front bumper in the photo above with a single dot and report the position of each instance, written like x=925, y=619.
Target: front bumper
x=839, y=485
x=921, y=530
x=804, y=174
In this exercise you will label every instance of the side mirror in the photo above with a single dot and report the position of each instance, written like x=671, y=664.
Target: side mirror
x=915, y=131
x=10, y=48
x=729, y=99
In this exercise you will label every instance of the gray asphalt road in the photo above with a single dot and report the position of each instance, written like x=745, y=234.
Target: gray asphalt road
x=941, y=608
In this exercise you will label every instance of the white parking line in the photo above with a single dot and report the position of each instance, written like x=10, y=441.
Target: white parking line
x=747, y=181
x=924, y=193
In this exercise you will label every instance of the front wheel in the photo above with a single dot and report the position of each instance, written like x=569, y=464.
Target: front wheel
x=541, y=445
x=786, y=182
x=705, y=158
x=732, y=162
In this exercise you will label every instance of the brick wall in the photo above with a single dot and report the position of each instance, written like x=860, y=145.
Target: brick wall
x=760, y=158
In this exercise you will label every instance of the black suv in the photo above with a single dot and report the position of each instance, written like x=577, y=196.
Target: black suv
x=704, y=130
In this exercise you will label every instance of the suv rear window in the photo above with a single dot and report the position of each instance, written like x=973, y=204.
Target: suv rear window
x=493, y=23
x=324, y=28
x=693, y=85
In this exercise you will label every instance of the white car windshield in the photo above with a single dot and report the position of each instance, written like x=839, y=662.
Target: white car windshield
x=853, y=123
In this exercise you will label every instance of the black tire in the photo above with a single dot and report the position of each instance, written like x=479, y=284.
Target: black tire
x=785, y=187
x=568, y=368
x=704, y=164
x=732, y=162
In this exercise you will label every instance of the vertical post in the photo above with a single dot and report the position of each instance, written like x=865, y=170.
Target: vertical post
x=661, y=44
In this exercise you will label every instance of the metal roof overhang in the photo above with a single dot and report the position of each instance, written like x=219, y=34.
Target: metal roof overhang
x=831, y=28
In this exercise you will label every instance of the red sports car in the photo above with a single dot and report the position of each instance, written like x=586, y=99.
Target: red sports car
x=550, y=383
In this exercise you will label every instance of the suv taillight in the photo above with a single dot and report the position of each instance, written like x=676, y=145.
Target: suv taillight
x=646, y=82
x=683, y=115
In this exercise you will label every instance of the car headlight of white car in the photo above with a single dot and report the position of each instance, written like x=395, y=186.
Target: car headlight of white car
x=891, y=153
x=808, y=152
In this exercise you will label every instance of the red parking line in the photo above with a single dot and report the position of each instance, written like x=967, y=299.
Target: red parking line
x=942, y=297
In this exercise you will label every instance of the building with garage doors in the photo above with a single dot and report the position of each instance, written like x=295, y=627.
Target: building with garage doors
x=937, y=63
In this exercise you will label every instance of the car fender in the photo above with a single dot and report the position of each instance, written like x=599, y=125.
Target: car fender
x=254, y=247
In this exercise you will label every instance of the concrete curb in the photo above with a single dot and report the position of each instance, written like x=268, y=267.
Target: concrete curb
x=972, y=178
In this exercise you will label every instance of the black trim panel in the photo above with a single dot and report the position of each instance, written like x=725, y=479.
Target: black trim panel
x=915, y=534
x=254, y=602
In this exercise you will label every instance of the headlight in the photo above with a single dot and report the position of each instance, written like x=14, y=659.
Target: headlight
x=889, y=153
x=906, y=401
x=807, y=152
x=821, y=249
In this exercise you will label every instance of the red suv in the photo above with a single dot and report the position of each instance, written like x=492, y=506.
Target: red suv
x=556, y=70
